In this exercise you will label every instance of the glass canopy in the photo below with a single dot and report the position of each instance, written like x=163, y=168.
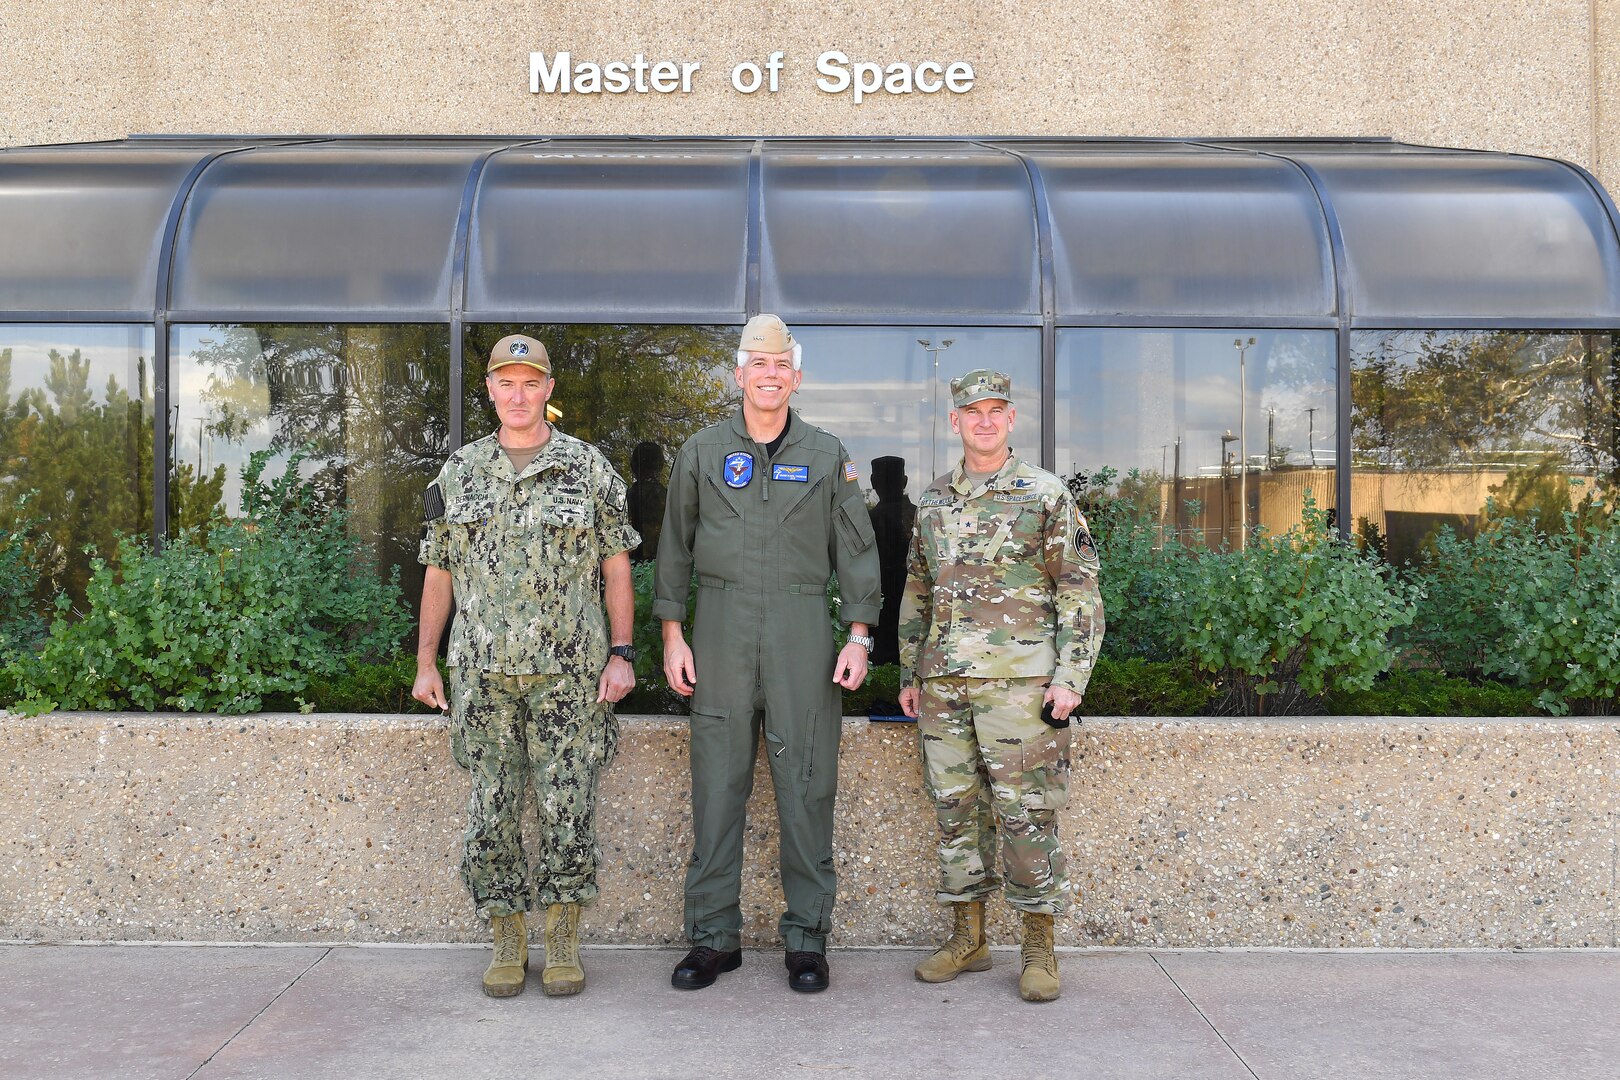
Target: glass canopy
x=611, y=230
x=856, y=230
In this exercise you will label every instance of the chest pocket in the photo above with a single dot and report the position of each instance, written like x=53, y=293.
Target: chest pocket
x=565, y=528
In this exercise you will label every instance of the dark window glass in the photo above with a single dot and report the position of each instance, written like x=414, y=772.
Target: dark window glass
x=370, y=404
x=75, y=440
x=611, y=229
x=1187, y=410
x=887, y=395
x=912, y=228
x=82, y=225
x=1428, y=236
x=325, y=229
x=635, y=391
x=1177, y=230
x=1443, y=421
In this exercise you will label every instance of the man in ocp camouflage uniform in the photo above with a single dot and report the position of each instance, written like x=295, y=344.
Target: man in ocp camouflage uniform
x=999, y=628
x=526, y=529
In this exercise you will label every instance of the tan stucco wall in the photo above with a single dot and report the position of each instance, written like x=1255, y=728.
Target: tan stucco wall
x=1520, y=77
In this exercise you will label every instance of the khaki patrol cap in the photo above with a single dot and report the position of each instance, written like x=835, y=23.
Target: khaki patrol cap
x=766, y=334
x=979, y=385
x=519, y=349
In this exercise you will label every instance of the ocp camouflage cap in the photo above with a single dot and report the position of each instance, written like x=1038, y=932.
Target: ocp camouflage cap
x=978, y=385
x=519, y=349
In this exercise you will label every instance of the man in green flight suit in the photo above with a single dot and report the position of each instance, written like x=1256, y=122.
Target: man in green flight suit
x=527, y=530
x=765, y=508
x=999, y=629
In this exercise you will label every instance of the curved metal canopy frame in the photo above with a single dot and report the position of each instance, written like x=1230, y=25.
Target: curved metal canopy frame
x=1084, y=233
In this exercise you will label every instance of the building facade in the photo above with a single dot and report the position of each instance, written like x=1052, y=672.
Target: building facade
x=1307, y=301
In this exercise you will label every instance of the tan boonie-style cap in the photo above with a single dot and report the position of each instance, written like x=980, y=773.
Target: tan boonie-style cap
x=519, y=349
x=766, y=334
x=978, y=385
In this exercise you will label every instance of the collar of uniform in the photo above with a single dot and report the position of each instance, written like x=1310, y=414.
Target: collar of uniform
x=497, y=461
x=959, y=479
x=796, y=427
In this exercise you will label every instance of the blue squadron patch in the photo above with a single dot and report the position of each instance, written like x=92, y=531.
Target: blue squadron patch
x=799, y=474
x=739, y=469
x=517, y=348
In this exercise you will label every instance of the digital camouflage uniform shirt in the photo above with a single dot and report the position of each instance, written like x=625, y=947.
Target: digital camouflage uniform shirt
x=524, y=551
x=1001, y=582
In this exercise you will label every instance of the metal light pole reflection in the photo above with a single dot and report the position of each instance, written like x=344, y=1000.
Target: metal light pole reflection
x=933, y=352
x=1242, y=348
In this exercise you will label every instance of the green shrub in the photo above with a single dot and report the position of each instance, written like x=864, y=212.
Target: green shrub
x=1431, y=693
x=1458, y=621
x=1288, y=618
x=1139, y=569
x=21, y=623
x=259, y=606
x=1559, y=605
x=1146, y=688
x=362, y=686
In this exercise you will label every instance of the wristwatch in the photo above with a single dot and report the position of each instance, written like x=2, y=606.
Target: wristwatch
x=626, y=653
x=865, y=641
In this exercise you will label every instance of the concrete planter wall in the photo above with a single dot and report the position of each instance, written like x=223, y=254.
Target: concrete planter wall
x=1184, y=833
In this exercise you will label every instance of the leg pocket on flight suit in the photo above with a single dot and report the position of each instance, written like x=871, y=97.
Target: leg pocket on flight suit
x=1044, y=779
x=709, y=744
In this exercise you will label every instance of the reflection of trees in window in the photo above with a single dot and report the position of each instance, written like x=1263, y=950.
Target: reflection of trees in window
x=619, y=385
x=88, y=461
x=371, y=403
x=1447, y=401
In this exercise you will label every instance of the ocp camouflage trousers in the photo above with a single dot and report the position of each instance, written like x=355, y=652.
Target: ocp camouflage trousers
x=508, y=731
x=994, y=768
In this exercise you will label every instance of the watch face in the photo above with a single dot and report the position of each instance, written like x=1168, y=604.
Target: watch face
x=626, y=652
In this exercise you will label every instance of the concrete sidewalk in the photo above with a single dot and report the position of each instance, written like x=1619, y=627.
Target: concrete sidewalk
x=286, y=1012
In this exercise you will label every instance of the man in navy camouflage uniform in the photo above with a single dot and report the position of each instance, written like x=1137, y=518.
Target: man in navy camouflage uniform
x=999, y=627
x=525, y=531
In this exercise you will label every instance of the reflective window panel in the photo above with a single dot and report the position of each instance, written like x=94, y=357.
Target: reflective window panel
x=75, y=440
x=370, y=403
x=1206, y=418
x=635, y=391
x=885, y=391
x=1443, y=421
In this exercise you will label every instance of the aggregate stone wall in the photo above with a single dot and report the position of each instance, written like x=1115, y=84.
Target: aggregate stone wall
x=1185, y=833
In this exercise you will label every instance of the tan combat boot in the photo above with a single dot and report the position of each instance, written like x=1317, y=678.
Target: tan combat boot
x=964, y=950
x=563, y=975
x=504, y=976
x=1039, y=982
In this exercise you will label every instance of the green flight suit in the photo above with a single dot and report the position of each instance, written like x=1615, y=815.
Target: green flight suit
x=764, y=537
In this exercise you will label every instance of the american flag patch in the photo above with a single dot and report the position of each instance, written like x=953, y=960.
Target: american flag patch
x=849, y=471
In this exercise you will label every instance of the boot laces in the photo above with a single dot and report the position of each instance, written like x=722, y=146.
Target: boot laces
x=507, y=944
x=961, y=943
x=1038, y=946
x=561, y=946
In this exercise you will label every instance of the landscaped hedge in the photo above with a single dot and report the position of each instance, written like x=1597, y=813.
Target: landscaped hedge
x=278, y=609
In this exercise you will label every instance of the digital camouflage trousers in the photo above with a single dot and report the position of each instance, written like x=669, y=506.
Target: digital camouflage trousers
x=996, y=772
x=509, y=731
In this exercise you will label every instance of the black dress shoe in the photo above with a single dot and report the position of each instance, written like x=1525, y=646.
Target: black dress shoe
x=702, y=966
x=807, y=971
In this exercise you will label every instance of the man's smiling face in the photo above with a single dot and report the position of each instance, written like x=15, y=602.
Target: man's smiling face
x=768, y=380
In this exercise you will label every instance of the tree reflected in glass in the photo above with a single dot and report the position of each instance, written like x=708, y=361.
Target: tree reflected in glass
x=370, y=403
